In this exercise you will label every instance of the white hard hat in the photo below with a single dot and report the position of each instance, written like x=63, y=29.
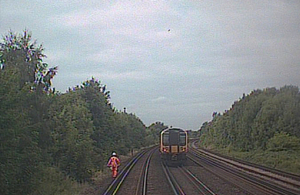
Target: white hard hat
x=114, y=154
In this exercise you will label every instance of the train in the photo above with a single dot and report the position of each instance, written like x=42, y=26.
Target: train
x=173, y=146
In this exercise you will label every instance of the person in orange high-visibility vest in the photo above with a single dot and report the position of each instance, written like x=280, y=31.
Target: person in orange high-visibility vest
x=114, y=163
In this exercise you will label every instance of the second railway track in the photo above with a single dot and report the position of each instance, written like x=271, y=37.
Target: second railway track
x=259, y=181
x=182, y=182
x=204, y=173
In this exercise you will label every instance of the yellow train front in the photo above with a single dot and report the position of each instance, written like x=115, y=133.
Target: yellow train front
x=173, y=146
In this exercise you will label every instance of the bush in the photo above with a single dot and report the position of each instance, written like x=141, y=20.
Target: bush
x=52, y=181
x=282, y=142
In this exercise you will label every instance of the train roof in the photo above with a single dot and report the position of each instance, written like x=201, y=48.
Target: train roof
x=173, y=129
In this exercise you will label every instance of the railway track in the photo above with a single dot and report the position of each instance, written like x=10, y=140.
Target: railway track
x=205, y=173
x=291, y=179
x=204, y=189
x=116, y=185
x=177, y=180
x=182, y=181
x=260, y=180
x=143, y=179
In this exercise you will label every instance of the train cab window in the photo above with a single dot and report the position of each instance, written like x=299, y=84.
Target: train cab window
x=182, y=139
x=174, y=137
x=166, y=139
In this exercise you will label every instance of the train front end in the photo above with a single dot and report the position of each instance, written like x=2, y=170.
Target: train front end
x=173, y=146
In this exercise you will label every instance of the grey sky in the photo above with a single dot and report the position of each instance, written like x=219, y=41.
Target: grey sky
x=214, y=52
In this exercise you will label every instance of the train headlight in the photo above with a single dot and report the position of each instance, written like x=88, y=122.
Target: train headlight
x=183, y=149
x=166, y=149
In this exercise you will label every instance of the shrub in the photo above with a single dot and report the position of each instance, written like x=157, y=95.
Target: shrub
x=283, y=141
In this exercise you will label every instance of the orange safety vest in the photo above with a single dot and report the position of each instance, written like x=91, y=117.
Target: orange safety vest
x=113, y=162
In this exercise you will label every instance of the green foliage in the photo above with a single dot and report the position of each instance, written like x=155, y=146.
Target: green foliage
x=50, y=142
x=51, y=181
x=153, y=132
x=71, y=130
x=285, y=160
x=282, y=142
x=265, y=124
x=19, y=52
x=255, y=119
x=19, y=151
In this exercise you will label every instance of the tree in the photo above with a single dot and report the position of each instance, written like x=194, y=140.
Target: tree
x=255, y=119
x=19, y=151
x=20, y=114
x=72, y=127
x=19, y=52
x=47, y=137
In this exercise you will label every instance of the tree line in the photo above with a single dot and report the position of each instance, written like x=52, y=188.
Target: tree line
x=267, y=120
x=47, y=136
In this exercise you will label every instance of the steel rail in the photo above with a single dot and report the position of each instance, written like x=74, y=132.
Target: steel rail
x=279, y=176
x=204, y=189
x=213, y=172
x=172, y=181
x=114, y=187
x=260, y=182
x=142, y=182
x=291, y=178
x=146, y=172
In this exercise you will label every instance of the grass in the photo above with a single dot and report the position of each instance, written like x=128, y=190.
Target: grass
x=288, y=160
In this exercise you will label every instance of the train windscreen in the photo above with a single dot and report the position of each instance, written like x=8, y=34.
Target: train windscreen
x=165, y=138
x=182, y=139
x=174, y=137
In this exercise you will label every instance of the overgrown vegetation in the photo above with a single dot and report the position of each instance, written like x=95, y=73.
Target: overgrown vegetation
x=51, y=143
x=262, y=127
x=54, y=143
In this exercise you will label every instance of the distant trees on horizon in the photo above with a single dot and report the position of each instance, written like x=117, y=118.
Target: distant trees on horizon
x=257, y=121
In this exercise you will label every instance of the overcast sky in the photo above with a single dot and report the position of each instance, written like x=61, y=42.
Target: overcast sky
x=171, y=61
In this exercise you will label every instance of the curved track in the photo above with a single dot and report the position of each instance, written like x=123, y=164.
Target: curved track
x=250, y=179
